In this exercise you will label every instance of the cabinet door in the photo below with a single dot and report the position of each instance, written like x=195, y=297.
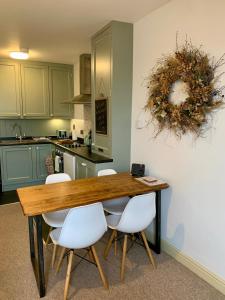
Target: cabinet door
x=81, y=169
x=17, y=164
x=35, y=90
x=84, y=168
x=61, y=89
x=10, y=100
x=102, y=52
x=42, y=151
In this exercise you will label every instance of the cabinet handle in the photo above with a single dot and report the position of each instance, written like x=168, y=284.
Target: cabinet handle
x=37, y=148
x=84, y=165
x=29, y=148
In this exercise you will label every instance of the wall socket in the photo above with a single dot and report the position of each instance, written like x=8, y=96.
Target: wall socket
x=73, y=126
x=81, y=131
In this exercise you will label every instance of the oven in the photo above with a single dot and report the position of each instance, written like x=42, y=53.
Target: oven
x=59, y=165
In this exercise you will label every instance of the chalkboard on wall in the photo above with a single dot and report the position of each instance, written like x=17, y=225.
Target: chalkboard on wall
x=101, y=116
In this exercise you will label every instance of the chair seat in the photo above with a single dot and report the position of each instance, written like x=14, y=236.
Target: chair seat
x=115, y=206
x=113, y=221
x=55, y=219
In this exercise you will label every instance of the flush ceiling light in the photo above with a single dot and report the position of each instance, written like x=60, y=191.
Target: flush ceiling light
x=23, y=54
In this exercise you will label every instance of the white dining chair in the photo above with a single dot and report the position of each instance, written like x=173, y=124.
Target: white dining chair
x=82, y=228
x=55, y=219
x=114, y=206
x=136, y=217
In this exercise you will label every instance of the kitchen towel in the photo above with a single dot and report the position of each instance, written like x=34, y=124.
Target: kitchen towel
x=49, y=164
x=57, y=163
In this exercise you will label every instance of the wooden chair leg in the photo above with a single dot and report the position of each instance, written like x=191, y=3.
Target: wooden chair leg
x=102, y=275
x=106, y=252
x=115, y=244
x=148, y=249
x=68, y=274
x=48, y=237
x=90, y=254
x=60, y=259
x=53, y=255
x=123, y=257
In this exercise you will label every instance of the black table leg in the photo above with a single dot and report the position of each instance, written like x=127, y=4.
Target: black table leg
x=31, y=237
x=157, y=245
x=37, y=259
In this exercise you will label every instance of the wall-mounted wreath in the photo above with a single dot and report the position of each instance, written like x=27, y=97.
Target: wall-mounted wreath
x=193, y=67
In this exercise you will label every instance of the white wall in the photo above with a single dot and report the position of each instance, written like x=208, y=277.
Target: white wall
x=193, y=209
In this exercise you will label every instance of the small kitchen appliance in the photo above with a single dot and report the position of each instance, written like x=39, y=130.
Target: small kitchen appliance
x=62, y=134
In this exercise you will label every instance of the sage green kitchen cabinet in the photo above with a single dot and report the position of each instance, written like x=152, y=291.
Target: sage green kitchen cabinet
x=35, y=90
x=61, y=89
x=112, y=57
x=10, y=96
x=42, y=151
x=102, y=86
x=84, y=168
x=23, y=165
x=17, y=165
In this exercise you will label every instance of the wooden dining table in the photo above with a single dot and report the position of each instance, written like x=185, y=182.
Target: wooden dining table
x=37, y=200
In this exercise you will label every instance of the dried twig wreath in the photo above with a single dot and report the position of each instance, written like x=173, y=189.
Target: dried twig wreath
x=193, y=67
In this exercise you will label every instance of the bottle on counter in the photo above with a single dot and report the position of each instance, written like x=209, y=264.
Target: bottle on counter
x=89, y=141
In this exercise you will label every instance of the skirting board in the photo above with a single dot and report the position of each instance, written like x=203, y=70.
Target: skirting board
x=214, y=280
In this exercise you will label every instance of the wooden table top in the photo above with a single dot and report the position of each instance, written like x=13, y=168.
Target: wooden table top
x=39, y=199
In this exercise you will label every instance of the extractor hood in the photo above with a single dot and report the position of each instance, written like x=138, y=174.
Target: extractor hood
x=85, y=82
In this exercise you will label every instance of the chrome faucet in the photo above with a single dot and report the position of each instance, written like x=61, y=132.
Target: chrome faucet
x=15, y=125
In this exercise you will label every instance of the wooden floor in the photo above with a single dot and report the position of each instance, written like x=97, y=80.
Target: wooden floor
x=8, y=197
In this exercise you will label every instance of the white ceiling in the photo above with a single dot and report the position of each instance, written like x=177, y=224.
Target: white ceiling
x=59, y=30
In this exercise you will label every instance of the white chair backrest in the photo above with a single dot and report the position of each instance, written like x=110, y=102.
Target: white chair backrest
x=106, y=172
x=83, y=226
x=54, y=178
x=138, y=214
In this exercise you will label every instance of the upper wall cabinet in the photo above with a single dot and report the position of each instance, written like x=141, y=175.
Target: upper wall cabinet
x=10, y=100
x=35, y=91
x=61, y=89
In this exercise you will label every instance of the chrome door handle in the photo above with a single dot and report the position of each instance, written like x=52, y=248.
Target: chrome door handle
x=84, y=165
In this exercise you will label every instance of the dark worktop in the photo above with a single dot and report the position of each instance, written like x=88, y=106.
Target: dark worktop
x=15, y=142
x=84, y=153
x=79, y=151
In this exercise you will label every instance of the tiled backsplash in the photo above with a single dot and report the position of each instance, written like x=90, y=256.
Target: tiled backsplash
x=33, y=127
x=82, y=119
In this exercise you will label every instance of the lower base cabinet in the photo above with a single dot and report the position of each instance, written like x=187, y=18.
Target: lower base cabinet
x=23, y=165
x=86, y=169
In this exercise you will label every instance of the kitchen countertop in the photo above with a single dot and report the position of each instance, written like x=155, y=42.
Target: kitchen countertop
x=84, y=153
x=15, y=142
x=79, y=151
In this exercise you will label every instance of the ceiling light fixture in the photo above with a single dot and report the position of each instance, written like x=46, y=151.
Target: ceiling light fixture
x=23, y=54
